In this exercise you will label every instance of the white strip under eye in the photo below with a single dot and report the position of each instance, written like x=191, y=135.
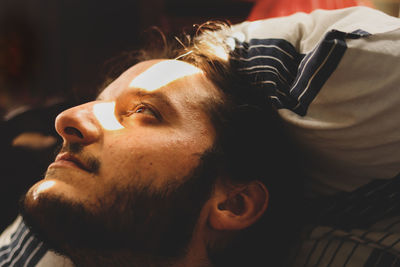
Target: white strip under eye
x=105, y=114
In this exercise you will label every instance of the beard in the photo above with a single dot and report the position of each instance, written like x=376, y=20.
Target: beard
x=140, y=220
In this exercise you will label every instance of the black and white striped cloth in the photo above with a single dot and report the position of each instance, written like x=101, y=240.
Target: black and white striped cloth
x=20, y=248
x=359, y=228
x=334, y=77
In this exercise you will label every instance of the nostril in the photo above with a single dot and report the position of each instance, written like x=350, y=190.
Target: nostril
x=73, y=131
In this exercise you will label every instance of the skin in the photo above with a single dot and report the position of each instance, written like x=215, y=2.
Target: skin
x=147, y=130
x=153, y=144
x=160, y=149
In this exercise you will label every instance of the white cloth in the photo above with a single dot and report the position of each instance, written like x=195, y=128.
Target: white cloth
x=351, y=129
x=334, y=77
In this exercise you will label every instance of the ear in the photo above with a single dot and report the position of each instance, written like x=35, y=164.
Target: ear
x=238, y=208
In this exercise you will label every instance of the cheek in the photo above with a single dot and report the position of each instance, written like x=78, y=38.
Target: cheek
x=150, y=160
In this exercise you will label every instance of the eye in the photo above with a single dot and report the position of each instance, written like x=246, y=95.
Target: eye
x=143, y=109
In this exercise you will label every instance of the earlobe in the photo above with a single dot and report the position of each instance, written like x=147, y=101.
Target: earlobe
x=238, y=208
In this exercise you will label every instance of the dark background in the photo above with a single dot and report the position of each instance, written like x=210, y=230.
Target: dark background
x=56, y=53
x=61, y=46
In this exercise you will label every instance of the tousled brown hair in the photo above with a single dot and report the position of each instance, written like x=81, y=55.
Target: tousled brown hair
x=252, y=143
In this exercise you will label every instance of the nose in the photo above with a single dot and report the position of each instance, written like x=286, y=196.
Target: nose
x=78, y=125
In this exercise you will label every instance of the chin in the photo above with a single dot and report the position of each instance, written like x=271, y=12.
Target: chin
x=65, y=217
x=39, y=194
x=89, y=216
x=47, y=189
x=49, y=209
x=34, y=207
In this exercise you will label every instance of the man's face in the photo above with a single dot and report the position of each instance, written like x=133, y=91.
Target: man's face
x=136, y=144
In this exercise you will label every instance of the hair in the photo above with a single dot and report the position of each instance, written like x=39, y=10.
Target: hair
x=251, y=144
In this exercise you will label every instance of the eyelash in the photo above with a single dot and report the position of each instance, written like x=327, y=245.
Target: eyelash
x=141, y=105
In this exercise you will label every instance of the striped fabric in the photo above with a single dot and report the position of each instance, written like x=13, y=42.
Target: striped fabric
x=360, y=228
x=361, y=208
x=272, y=64
x=318, y=65
x=328, y=74
x=327, y=246
x=20, y=248
x=23, y=249
x=292, y=80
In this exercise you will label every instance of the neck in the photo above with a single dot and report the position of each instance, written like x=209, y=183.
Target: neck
x=118, y=258
x=195, y=255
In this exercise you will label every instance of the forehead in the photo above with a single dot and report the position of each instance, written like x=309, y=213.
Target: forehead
x=167, y=77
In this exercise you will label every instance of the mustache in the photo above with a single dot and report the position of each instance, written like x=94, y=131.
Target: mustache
x=76, y=149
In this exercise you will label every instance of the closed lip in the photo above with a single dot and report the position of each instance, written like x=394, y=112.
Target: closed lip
x=71, y=158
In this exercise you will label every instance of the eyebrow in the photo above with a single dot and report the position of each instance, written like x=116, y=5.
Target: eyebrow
x=143, y=94
x=157, y=96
